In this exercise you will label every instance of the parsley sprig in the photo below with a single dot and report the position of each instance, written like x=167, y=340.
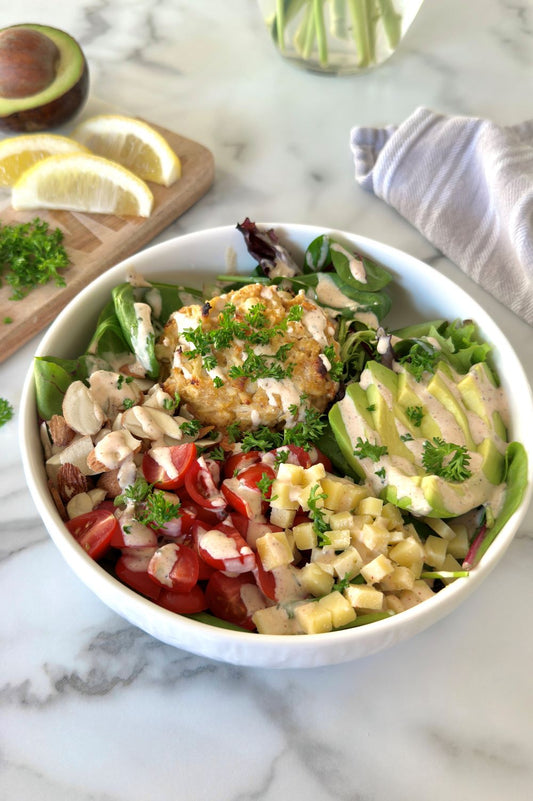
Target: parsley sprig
x=31, y=254
x=152, y=508
x=446, y=459
x=320, y=525
x=421, y=358
x=6, y=411
x=302, y=434
x=366, y=450
x=415, y=415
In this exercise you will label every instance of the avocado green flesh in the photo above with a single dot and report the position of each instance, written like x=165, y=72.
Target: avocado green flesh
x=376, y=410
x=61, y=99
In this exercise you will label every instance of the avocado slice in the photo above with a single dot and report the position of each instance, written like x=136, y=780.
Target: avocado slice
x=408, y=399
x=440, y=390
x=384, y=423
x=493, y=464
x=471, y=389
x=354, y=406
x=25, y=105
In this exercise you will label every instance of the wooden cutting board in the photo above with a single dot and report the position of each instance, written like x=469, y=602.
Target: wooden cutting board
x=95, y=242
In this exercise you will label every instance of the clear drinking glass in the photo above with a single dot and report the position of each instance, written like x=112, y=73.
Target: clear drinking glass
x=339, y=37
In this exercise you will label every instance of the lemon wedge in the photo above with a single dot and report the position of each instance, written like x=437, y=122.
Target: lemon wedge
x=82, y=182
x=20, y=152
x=132, y=143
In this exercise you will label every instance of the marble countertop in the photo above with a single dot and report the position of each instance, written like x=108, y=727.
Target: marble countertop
x=92, y=709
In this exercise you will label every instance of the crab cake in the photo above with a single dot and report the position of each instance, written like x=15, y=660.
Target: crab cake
x=255, y=356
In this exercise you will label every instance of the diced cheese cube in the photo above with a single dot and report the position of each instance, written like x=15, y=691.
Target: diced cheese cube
x=314, y=580
x=401, y=578
x=284, y=495
x=440, y=527
x=339, y=539
x=396, y=535
x=374, y=537
x=283, y=518
x=343, y=494
x=407, y=552
x=274, y=550
x=458, y=547
x=435, y=551
x=308, y=492
x=416, y=567
x=305, y=536
x=393, y=514
x=420, y=592
x=377, y=569
x=273, y=620
x=348, y=563
x=393, y=603
x=290, y=473
x=452, y=565
x=313, y=474
x=370, y=506
x=362, y=596
x=313, y=618
x=342, y=612
x=340, y=520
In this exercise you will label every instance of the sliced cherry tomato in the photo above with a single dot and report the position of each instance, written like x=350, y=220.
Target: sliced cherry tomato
x=132, y=534
x=243, y=494
x=174, y=567
x=94, y=531
x=184, y=603
x=201, y=482
x=240, y=461
x=132, y=569
x=223, y=548
x=224, y=598
x=212, y=517
x=266, y=580
x=181, y=457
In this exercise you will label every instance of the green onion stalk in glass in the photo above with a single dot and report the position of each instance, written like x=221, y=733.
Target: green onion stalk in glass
x=338, y=36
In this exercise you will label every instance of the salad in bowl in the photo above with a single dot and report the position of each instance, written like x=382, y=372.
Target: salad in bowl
x=289, y=449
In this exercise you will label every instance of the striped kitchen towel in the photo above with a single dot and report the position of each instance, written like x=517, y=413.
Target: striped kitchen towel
x=467, y=185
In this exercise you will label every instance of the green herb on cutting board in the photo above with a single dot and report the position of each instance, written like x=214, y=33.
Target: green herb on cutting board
x=31, y=254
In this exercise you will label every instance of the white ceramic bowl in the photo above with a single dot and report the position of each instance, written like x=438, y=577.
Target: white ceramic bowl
x=420, y=293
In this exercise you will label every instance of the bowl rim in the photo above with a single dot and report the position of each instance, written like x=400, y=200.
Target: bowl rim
x=202, y=638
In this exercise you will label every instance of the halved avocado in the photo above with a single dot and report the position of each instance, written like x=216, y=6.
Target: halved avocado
x=44, y=78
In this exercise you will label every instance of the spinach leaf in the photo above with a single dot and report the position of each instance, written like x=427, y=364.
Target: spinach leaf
x=141, y=343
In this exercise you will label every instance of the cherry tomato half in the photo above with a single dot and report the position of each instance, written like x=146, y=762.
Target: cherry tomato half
x=184, y=603
x=223, y=548
x=174, y=567
x=181, y=457
x=224, y=598
x=202, y=485
x=240, y=461
x=132, y=570
x=94, y=531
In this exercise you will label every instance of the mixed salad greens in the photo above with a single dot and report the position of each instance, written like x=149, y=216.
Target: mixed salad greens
x=327, y=519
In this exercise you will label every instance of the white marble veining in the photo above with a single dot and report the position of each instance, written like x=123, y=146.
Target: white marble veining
x=92, y=709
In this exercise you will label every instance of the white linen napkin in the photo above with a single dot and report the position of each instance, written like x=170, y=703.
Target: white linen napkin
x=467, y=185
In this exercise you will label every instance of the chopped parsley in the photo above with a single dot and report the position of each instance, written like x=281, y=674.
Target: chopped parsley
x=191, y=427
x=264, y=485
x=217, y=453
x=31, y=254
x=407, y=437
x=366, y=450
x=320, y=525
x=415, y=415
x=447, y=460
x=262, y=365
x=421, y=358
x=171, y=403
x=371, y=408
x=128, y=403
x=381, y=473
x=151, y=505
x=296, y=313
x=337, y=367
x=6, y=411
x=218, y=382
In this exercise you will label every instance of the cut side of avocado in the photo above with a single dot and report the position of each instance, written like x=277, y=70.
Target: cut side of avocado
x=440, y=390
x=493, y=464
x=61, y=99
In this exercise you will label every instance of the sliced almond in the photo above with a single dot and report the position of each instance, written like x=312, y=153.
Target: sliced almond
x=79, y=505
x=151, y=423
x=80, y=410
x=110, y=390
x=76, y=453
x=112, y=450
x=60, y=432
x=70, y=481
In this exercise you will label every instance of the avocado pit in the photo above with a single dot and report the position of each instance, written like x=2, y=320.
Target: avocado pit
x=44, y=78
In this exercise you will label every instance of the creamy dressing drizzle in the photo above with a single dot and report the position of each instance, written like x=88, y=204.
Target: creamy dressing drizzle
x=357, y=268
x=280, y=392
x=316, y=323
x=115, y=447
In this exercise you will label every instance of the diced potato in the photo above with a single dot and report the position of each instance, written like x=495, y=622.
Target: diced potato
x=341, y=610
x=362, y=596
x=283, y=495
x=313, y=474
x=393, y=514
x=305, y=536
x=370, y=506
x=374, y=537
x=284, y=518
x=343, y=494
x=401, y=578
x=407, y=552
x=313, y=618
x=459, y=546
x=377, y=569
x=348, y=563
x=340, y=520
x=315, y=580
x=290, y=473
x=274, y=550
x=273, y=620
x=339, y=539
x=435, y=551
